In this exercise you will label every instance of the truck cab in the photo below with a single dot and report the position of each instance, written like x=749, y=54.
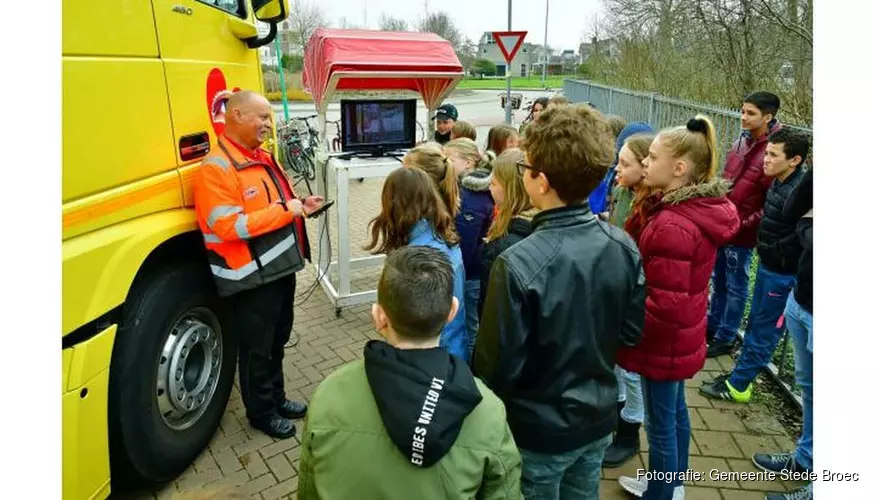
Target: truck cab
x=148, y=352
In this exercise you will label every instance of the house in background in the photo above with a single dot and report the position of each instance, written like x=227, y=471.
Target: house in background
x=608, y=47
x=488, y=49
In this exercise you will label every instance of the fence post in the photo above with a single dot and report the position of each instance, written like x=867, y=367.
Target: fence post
x=588, y=92
x=611, y=100
x=652, y=113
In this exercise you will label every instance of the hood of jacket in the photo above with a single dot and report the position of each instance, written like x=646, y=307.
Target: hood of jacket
x=477, y=180
x=630, y=130
x=424, y=396
x=707, y=206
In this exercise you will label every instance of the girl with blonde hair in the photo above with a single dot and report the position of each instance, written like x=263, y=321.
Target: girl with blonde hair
x=678, y=246
x=430, y=158
x=472, y=222
x=513, y=220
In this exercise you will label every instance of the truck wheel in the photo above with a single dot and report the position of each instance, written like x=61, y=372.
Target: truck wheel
x=171, y=373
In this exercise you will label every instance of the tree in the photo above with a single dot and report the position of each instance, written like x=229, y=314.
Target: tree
x=441, y=24
x=345, y=24
x=467, y=53
x=293, y=62
x=484, y=67
x=304, y=19
x=389, y=23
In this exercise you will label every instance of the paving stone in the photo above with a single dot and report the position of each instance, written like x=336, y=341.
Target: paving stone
x=696, y=421
x=704, y=466
x=699, y=493
x=721, y=420
x=755, y=444
x=760, y=482
x=610, y=489
x=281, y=467
x=259, y=484
x=742, y=495
x=285, y=489
x=630, y=468
x=283, y=444
x=717, y=444
x=254, y=464
x=696, y=400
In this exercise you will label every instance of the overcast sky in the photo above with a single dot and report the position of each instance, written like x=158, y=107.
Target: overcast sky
x=569, y=19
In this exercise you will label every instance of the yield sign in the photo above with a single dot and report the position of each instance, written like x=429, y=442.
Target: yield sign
x=512, y=40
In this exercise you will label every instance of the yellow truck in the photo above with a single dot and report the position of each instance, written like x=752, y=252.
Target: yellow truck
x=148, y=351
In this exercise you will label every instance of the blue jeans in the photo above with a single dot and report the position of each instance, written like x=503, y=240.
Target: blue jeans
x=730, y=281
x=668, y=434
x=472, y=319
x=572, y=475
x=764, y=326
x=800, y=323
x=629, y=390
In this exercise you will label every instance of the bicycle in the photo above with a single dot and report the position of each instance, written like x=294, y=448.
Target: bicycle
x=299, y=152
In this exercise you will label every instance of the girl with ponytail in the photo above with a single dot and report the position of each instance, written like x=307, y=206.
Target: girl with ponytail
x=691, y=218
x=413, y=213
x=431, y=158
x=472, y=222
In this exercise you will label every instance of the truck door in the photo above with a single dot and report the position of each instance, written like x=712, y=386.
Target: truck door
x=203, y=54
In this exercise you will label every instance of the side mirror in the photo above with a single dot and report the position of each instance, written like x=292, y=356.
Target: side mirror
x=270, y=11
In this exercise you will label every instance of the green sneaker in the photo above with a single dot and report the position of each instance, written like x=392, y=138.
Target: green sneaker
x=722, y=389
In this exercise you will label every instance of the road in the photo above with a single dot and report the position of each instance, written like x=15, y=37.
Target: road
x=482, y=108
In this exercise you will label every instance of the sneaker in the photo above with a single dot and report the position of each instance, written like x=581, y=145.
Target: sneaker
x=276, y=427
x=718, y=348
x=724, y=390
x=678, y=493
x=718, y=379
x=804, y=493
x=778, y=463
x=636, y=487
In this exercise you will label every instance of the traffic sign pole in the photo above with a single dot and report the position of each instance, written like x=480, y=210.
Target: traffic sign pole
x=509, y=42
x=509, y=73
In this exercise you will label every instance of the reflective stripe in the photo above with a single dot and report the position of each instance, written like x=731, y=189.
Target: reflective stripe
x=222, y=211
x=212, y=238
x=217, y=161
x=240, y=227
x=266, y=258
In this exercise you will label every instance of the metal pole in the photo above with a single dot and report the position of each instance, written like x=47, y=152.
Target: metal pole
x=282, y=73
x=508, y=75
x=544, y=65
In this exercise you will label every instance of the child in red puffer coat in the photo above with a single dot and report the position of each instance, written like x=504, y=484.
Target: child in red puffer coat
x=678, y=245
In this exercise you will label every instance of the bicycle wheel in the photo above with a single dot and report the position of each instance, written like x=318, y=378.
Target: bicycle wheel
x=291, y=159
x=309, y=165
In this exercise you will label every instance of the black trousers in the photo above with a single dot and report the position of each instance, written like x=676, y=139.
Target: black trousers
x=263, y=320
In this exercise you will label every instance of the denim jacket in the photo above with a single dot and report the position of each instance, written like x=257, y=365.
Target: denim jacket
x=454, y=336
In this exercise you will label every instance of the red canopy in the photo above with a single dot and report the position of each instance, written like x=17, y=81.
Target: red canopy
x=379, y=60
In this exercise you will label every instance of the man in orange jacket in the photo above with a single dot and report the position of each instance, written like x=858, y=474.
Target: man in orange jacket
x=253, y=228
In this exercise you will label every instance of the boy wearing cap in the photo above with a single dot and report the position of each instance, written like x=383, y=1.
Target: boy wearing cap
x=446, y=116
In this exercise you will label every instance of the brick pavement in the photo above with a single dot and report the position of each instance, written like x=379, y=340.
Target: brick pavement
x=724, y=435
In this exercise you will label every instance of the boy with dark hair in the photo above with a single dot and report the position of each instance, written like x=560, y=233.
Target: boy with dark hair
x=744, y=169
x=409, y=419
x=558, y=306
x=779, y=250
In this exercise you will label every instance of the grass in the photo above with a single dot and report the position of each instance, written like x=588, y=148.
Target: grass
x=525, y=82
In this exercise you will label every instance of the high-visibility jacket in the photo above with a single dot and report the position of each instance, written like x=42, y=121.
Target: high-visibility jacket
x=250, y=235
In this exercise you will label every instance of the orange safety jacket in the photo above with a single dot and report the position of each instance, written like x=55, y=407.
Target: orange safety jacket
x=250, y=235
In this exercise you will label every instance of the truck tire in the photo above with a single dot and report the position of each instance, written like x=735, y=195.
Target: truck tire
x=171, y=374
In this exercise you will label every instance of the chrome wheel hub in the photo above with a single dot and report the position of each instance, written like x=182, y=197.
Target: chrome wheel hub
x=189, y=369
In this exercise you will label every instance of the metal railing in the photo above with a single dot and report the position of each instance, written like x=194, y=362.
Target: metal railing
x=661, y=112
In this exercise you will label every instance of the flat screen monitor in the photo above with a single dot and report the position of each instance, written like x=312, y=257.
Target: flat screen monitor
x=377, y=126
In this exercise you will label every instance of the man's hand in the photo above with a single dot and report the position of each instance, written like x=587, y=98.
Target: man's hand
x=312, y=203
x=295, y=207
